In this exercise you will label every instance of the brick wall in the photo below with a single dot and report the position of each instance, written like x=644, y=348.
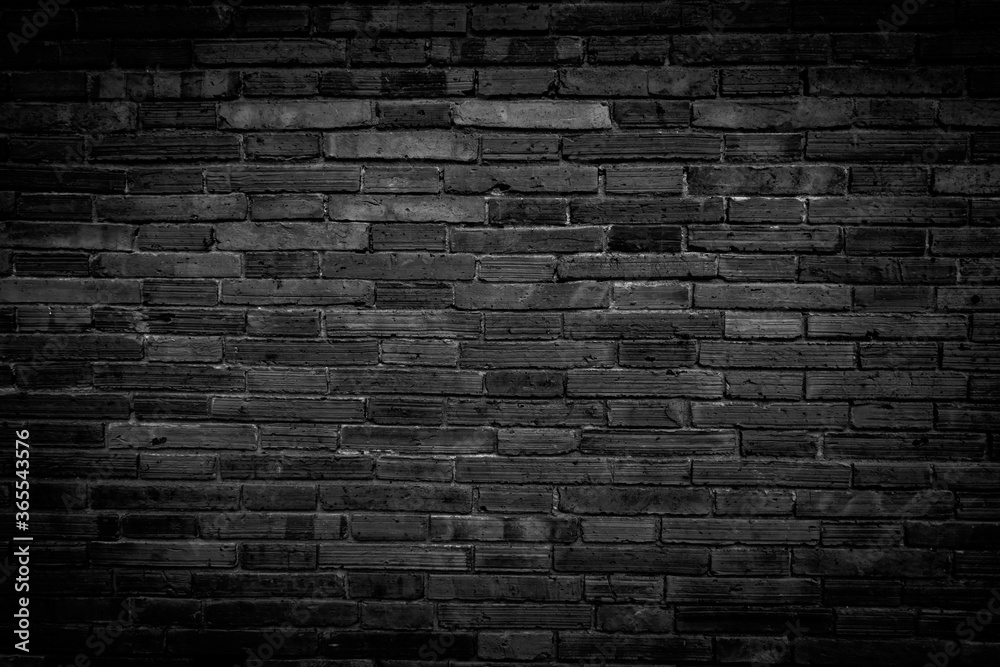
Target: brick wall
x=616, y=332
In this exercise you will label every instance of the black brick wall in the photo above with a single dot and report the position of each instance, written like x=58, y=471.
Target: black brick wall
x=619, y=332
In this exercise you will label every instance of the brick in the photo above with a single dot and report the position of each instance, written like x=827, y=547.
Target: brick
x=68, y=117
x=502, y=241
x=756, y=267
x=648, y=211
x=414, y=114
x=299, y=115
x=618, y=588
x=564, y=354
x=763, y=147
x=888, y=112
x=682, y=82
x=289, y=51
x=273, y=146
x=517, y=269
x=643, y=180
x=606, y=17
x=642, y=325
x=874, y=504
x=862, y=326
x=556, y=115
x=488, y=615
x=487, y=528
x=639, y=146
x=619, y=530
x=777, y=355
x=644, y=238
x=521, y=413
x=744, y=531
x=521, y=81
x=595, y=500
x=622, y=49
x=885, y=146
x=258, y=409
x=799, y=473
x=180, y=147
x=534, y=297
x=658, y=354
x=172, y=208
x=395, y=20
x=668, y=295
x=482, y=180
x=601, y=81
x=638, y=559
x=772, y=115
x=257, y=20
x=401, y=82
x=634, y=648
x=50, y=264
x=500, y=499
x=889, y=179
x=291, y=236
x=407, y=209
x=386, y=51
x=902, y=446
x=402, y=179
x=641, y=382
x=66, y=179
x=174, y=265
x=762, y=81
x=433, y=145
x=716, y=591
x=297, y=292
x=512, y=17
x=361, y=556
x=515, y=149
x=975, y=180
x=866, y=81
x=898, y=210
x=359, y=382
x=654, y=443
x=267, y=179
x=813, y=180
x=754, y=238
x=177, y=377
x=55, y=290
x=914, y=385
x=154, y=553
x=896, y=355
x=750, y=49
x=818, y=297
x=635, y=266
x=398, y=266
x=54, y=207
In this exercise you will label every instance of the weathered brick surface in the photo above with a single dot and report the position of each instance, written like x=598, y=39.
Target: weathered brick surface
x=404, y=332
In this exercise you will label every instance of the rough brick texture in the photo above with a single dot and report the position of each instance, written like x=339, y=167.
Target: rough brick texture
x=391, y=333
